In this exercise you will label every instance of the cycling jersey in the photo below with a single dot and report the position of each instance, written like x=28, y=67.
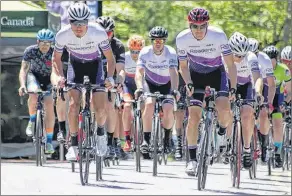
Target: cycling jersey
x=204, y=56
x=265, y=66
x=129, y=87
x=84, y=52
x=40, y=65
x=157, y=66
x=282, y=75
x=119, y=54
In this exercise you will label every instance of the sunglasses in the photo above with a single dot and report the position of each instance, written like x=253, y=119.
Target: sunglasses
x=45, y=43
x=158, y=41
x=201, y=27
x=238, y=56
x=79, y=22
x=135, y=51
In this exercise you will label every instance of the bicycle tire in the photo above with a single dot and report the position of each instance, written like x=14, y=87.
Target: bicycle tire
x=98, y=167
x=270, y=154
x=155, y=145
x=239, y=152
x=202, y=160
x=38, y=131
x=251, y=169
x=233, y=160
x=137, y=131
x=73, y=167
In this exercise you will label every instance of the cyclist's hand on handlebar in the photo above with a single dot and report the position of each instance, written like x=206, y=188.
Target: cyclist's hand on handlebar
x=190, y=89
x=259, y=99
x=109, y=82
x=119, y=87
x=61, y=81
x=176, y=94
x=138, y=93
x=232, y=94
x=22, y=90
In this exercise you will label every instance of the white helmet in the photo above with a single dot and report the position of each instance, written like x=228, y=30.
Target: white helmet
x=286, y=53
x=238, y=44
x=78, y=11
x=253, y=44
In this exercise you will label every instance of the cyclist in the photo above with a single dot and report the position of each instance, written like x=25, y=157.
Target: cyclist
x=247, y=72
x=112, y=112
x=135, y=45
x=286, y=57
x=199, y=51
x=157, y=72
x=34, y=75
x=268, y=92
x=84, y=42
x=283, y=76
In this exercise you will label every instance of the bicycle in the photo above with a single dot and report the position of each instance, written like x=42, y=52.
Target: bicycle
x=86, y=134
x=39, y=138
x=287, y=138
x=207, y=139
x=136, y=131
x=157, y=137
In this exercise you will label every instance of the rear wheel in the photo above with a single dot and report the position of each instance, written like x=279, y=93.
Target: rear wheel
x=155, y=144
x=202, y=161
x=38, y=137
x=239, y=151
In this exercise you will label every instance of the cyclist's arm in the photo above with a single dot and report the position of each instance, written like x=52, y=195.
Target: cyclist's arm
x=289, y=91
x=173, y=78
x=57, y=67
x=258, y=82
x=111, y=62
x=23, y=72
x=232, y=71
x=139, y=76
x=272, y=88
x=120, y=64
x=184, y=71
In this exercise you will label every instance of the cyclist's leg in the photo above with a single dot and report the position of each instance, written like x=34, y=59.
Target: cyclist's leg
x=264, y=126
x=147, y=119
x=49, y=122
x=195, y=115
x=277, y=120
x=32, y=85
x=247, y=121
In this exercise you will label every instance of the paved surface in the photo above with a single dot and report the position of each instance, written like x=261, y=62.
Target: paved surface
x=56, y=178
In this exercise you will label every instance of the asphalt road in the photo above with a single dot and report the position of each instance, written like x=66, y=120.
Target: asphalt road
x=56, y=178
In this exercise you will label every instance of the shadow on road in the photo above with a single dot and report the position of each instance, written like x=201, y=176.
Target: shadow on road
x=127, y=182
x=257, y=183
x=270, y=180
x=110, y=186
x=228, y=192
x=258, y=189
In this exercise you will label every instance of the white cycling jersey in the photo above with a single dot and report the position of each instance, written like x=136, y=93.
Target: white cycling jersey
x=204, y=56
x=157, y=66
x=265, y=66
x=85, y=48
x=245, y=68
x=130, y=65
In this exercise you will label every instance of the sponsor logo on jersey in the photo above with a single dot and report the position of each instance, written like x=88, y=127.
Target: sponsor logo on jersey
x=155, y=66
x=181, y=52
x=225, y=47
x=209, y=50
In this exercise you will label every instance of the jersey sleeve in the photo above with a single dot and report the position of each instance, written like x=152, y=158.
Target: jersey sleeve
x=253, y=63
x=142, y=58
x=181, y=48
x=27, y=56
x=266, y=67
x=224, y=46
x=120, y=56
x=60, y=41
x=173, y=62
x=104, y=43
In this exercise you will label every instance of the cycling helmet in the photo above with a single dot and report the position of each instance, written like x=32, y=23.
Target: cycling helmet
x=46, y=35
x=158, y=32
x=198, y=15
x=106, y=22
x=136, y=42
x=286, y=53
x=238, y=44
x=253, y=45
x=78, y=11
x=271, y=51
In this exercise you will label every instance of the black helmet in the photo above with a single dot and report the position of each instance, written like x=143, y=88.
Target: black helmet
x=106, y=22
x=158, y=32
x=271, y=51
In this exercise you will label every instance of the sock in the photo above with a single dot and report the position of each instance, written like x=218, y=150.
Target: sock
x=62, y=126
x=100, y=130
x=179, y=142
x=110, y=139
x=74, y=140
x=166, y=134
x=115, y=142
x=222, y=130
x=32, y=118
x=278, y=146
x=50, y=132
x=193, y=152
x=264, y=140
x=246, y=149
x=127, y=135
x=147, y=136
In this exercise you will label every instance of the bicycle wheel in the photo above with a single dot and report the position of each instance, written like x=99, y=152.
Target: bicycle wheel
x=270, y=154
x=38, y=137
x=155, y=145
x=251, y=170
x=202, y=161
x=98, y=167
x=238, y=155
x=234, y=152
x=84, y=148
x=137, y=141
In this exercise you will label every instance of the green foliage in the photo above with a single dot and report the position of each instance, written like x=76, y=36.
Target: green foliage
x=263, y=20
